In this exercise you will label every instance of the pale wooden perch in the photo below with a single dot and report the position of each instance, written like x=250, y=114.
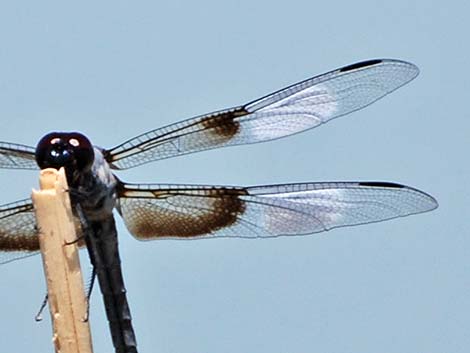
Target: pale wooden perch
x=67, y=302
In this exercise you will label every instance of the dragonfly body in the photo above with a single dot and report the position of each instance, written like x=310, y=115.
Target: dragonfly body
x=92, y=188
x=99, y=189
x=156, y=211
x=102, y=244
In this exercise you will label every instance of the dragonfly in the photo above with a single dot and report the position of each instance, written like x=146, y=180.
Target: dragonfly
x=158, y=211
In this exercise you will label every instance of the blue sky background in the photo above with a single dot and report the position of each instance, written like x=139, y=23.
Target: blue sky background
x=114, y=69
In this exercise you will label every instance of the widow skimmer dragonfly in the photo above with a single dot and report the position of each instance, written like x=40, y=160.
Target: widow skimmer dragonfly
x=154, y=211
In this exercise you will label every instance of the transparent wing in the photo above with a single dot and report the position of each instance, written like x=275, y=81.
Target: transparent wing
x=299, y=107
x=18, y=233
x=177, y=211
x=16, y=156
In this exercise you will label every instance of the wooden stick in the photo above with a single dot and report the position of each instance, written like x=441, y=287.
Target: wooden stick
x=67, y=302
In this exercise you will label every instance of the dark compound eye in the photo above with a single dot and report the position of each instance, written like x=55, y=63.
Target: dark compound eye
x=70, y=150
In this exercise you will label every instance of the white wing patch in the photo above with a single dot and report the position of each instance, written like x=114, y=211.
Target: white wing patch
x=298, y=112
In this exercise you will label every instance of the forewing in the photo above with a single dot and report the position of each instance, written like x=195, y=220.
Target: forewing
x=16, y=156
x=176, y=211
x=18, y=233
x=299, y=107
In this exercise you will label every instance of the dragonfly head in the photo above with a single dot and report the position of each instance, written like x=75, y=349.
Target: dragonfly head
x=70, y=150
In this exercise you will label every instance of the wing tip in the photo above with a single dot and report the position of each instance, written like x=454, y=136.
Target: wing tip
x=412, y=68
x=431, y=202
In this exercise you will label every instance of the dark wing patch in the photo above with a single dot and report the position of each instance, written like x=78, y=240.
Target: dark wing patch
x=218, y=208
x=16, y=156
x=297, y=108
x=18, y=233
x=224, y=125
x=179, y=211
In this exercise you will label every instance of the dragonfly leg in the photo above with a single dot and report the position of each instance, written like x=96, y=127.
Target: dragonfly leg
x=83, y=222
x=76, y=240
x=88, y=295
x=85, y=231
x=38, y=316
